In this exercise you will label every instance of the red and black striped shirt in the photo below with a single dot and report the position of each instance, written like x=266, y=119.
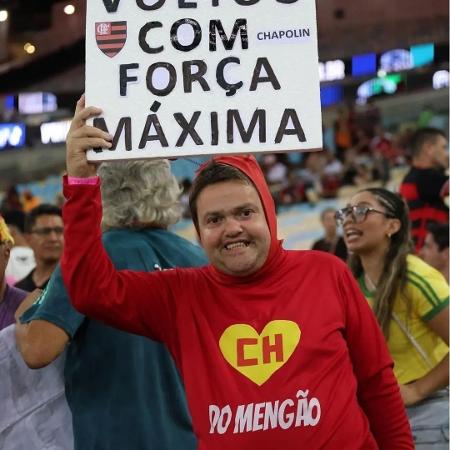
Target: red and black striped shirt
x=424, y=189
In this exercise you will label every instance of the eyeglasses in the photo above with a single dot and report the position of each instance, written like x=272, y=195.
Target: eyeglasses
x=46, y=231
x=358, y=213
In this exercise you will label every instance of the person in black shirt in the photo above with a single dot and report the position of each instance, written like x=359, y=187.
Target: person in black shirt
x=44, y=231
x=331, y=242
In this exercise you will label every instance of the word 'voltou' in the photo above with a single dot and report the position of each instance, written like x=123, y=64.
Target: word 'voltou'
x=112, y=5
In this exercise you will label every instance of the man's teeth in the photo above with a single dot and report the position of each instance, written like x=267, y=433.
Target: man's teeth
x=236, y=245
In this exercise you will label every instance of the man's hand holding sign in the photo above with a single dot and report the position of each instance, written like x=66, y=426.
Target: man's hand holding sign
x=82, y=137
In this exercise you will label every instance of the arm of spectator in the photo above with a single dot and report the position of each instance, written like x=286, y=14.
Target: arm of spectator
x=438, y=377
x=378, y=390
x=39, y=342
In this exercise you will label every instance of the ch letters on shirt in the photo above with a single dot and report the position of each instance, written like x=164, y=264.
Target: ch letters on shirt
x=259, y=356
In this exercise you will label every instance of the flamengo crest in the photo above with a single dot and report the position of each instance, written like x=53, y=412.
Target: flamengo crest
x=110, y=37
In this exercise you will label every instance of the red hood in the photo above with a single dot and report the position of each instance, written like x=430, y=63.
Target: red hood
x=250, y=167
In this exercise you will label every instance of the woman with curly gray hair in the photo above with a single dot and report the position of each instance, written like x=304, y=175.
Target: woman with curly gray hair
x=139, y=194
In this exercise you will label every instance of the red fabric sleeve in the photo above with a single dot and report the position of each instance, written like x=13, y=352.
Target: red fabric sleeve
x=136, y=302
x=378, y=391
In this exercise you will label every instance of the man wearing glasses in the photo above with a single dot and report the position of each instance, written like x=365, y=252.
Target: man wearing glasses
x=44, y=228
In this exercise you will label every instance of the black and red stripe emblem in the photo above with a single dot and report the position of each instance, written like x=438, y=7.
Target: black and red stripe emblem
x=110, y=37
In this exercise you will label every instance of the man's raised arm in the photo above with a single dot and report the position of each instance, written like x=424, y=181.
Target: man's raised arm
x=118, y=298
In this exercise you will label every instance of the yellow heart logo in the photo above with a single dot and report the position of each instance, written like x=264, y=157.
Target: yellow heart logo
x=259, y=356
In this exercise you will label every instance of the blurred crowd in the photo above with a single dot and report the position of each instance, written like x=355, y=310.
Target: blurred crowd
x=358, y=151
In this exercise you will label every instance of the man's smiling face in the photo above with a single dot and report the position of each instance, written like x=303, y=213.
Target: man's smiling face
x=233, y=228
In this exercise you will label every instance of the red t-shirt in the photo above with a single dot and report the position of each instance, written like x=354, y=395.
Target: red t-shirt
x=290, y=357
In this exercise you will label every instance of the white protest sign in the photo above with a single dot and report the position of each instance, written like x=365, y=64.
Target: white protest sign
x=199, y=77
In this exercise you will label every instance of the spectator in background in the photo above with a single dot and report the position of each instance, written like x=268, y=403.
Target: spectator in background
x=331, y=242
x=331, y=176
x=10, y=297
x=44, y=231
x=385, y=154
x=435, y=248
x=293, y=190
x=355, y=171
x=369, y=118
x=426, y=185
x=30, y=201
x=11, y=201
x=139, y=400
x=275, y=169
x=410, y=301
x=34, y=414
x=362, y=142
x=342, y=133
x=276, y=172
x=21, y=258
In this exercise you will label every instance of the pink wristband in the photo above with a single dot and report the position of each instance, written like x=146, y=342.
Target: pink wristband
x=76, y=180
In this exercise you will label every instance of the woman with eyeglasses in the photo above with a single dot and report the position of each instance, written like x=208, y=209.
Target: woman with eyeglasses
x=410, y=301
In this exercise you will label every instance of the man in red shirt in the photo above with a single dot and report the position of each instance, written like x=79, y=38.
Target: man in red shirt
x=426, y=185
x=277, y=349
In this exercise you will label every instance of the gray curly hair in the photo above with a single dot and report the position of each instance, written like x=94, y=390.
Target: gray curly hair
x=139, y=194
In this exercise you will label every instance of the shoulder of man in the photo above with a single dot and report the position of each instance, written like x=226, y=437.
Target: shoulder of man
x=429, y=174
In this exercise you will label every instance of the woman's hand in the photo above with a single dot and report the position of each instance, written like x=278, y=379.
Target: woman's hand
x=410, y=394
